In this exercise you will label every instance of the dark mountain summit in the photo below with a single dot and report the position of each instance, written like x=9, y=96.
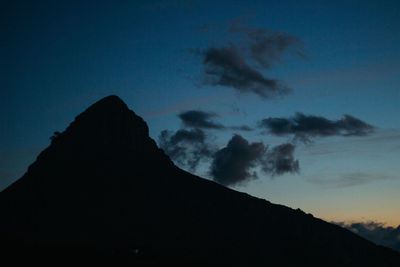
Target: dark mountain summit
x=103, y=193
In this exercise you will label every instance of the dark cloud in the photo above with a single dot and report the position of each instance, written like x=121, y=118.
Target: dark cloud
x=233, y=164
x=227, y=67
x=199, y=119
x=203, y=120
x=239, y=65
x=281, y=160
x=241, y=128
x=305, y=126
x=267, y=47
x=376, y=232
x=186, y=147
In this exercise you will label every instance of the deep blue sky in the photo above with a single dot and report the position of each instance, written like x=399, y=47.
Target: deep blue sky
x=57, y=58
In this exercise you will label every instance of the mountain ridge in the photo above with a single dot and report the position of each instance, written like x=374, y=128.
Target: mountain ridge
x=104, y=185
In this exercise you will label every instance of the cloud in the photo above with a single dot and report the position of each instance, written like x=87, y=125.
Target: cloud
x=199, y=119
x=281, y=160
x=376, y=232
x=227, y=67
x=241, y=128
x=267, y=47
x=234, y=163
x=303, y=127
x=186, y=147
x=203, y=120
x=231, y=164
x=173, y=108
x=239, y=66
x=347, y=179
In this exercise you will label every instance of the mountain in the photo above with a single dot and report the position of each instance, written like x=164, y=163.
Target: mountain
x=104, y=194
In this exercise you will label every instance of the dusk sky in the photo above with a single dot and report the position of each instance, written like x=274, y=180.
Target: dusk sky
x=303, y=96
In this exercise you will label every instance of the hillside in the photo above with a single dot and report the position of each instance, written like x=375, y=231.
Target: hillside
x=103, y=193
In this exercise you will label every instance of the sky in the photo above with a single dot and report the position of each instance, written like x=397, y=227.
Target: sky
x=297, y=102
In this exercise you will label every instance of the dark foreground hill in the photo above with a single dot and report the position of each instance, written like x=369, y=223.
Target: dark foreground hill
x=103, y=194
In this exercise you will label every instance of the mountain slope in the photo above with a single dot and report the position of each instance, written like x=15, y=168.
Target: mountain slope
x=103, y=193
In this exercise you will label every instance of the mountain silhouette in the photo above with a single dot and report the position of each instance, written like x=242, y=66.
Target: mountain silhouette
x=104, y=194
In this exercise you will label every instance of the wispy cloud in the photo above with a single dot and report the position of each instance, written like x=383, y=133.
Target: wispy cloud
x=382, y=141
x=346, y=179
x=267, y=47
x=205, y=120
x=189, y=103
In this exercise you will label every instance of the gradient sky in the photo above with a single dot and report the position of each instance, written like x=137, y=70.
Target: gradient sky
x=57, y=58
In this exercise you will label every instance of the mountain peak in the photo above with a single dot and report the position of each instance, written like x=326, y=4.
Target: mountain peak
x=107, y=122
x=105, y=129
x=109, y=102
